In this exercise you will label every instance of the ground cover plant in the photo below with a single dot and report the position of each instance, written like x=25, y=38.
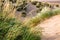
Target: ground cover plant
x=13, y=29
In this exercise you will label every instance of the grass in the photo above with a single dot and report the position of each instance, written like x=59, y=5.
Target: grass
x=42, y=16
x=13, y=29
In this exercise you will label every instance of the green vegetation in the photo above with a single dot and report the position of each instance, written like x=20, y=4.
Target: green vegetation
x=42, y=16
x=13, y=29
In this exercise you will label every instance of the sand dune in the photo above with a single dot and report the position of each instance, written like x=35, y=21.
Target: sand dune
x=51, y=28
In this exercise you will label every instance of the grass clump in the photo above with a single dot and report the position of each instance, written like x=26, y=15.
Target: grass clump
x=11, y=29
x=42, y=16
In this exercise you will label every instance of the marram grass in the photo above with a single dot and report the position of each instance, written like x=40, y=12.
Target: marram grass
x=42, y=16
x=15, y=31
x=12, y=29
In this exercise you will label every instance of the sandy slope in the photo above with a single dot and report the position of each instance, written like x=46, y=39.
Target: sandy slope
x=51, y=29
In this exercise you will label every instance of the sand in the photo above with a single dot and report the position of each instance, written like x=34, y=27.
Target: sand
x=51, y=28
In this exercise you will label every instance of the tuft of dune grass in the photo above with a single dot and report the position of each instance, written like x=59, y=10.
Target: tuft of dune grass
x=42, y=16
x=13, y=33
x=12, y=29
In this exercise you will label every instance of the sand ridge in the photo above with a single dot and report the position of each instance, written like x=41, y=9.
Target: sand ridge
x=51, y=28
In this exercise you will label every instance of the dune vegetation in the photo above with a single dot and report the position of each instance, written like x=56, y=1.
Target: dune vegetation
x=13, y=29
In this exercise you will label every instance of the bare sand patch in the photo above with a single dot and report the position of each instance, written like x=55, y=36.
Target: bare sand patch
x=51, y=28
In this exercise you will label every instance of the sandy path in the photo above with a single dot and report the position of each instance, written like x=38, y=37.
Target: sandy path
x=51, y=29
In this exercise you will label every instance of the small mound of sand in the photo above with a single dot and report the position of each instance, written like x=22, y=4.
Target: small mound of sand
x=51, y=28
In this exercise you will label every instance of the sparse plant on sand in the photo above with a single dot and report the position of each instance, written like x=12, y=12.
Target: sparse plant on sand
x=13, y=29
